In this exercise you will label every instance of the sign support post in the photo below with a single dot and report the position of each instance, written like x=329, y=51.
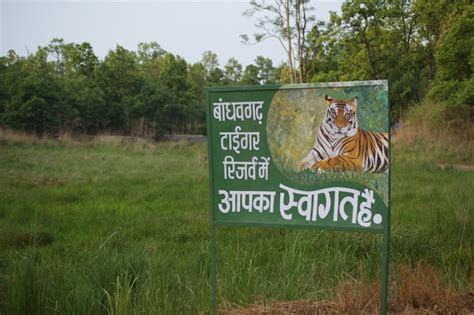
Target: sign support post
x=213, y=270
x=385, y=255
x=386, y=239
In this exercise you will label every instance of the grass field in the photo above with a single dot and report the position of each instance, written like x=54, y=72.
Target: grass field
x=118, y=228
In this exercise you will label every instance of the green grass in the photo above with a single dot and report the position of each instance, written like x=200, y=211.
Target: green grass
x=97, y=228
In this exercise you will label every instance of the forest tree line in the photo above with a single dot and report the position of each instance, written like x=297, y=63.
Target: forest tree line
x=423, y=47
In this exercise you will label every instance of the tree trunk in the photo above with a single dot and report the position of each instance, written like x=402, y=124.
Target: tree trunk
x=299, y=29
x=431, y=63
x=370, y=56
x=431, y=60
x=288, y=39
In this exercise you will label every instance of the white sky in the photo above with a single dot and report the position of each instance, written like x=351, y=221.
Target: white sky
x=187, y=28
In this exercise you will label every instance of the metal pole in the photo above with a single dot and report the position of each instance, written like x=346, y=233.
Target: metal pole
x=385, y=254
x=213, y=270
x=386, y=228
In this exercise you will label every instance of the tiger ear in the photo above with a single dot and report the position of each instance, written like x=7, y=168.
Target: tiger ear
x=328, y=99
x=354, y=102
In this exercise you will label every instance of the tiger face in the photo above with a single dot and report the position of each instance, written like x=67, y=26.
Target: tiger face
x=341, y=119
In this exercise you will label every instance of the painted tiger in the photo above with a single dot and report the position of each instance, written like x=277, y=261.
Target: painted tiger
x=342, y=146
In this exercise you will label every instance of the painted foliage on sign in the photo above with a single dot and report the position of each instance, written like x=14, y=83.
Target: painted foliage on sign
x=308, y=155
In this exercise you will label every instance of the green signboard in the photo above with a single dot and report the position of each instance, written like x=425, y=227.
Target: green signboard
x=307, y=155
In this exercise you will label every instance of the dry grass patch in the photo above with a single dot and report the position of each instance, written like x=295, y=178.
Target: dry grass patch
x=437, y=133
x=418, y=288
x=9, y=136
x=415, y=289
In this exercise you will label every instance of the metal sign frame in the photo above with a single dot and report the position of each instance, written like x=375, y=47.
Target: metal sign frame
x=214, y=222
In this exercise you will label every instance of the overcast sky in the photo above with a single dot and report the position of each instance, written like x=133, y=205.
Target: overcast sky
x=186, y=28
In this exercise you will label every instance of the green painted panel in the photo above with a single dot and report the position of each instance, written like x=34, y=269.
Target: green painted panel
x=262, y=138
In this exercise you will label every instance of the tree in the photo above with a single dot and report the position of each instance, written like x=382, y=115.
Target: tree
x=363, y=19
x=455, y=61
x=149, y=51
x=173, y=75
x=265, y=70
x=149, y=104
x=197, y=84
x=232, y=71
x=79, y=59
x=323, y=51
x=214, y=75
x=118, y=77
x=4, y=95
x=288, y=24
x=250, y=76
x=402, y=19
x=210, y=62
x=92, y=109
x=301, y=22
x=56, y=49
x=277, y=26
x=38, y=100
x=430, y=17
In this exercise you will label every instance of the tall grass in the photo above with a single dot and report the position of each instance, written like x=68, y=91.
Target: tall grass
x=97, y=227
x=436, y=132
x=120, y=302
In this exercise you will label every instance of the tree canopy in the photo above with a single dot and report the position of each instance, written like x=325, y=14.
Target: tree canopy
x=424, y=48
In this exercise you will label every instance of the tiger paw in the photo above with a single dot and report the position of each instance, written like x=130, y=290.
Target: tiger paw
x=320, y=166
x=301, y=166
x=316, y=167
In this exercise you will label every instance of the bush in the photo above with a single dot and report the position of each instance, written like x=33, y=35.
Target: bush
x=439, y=132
